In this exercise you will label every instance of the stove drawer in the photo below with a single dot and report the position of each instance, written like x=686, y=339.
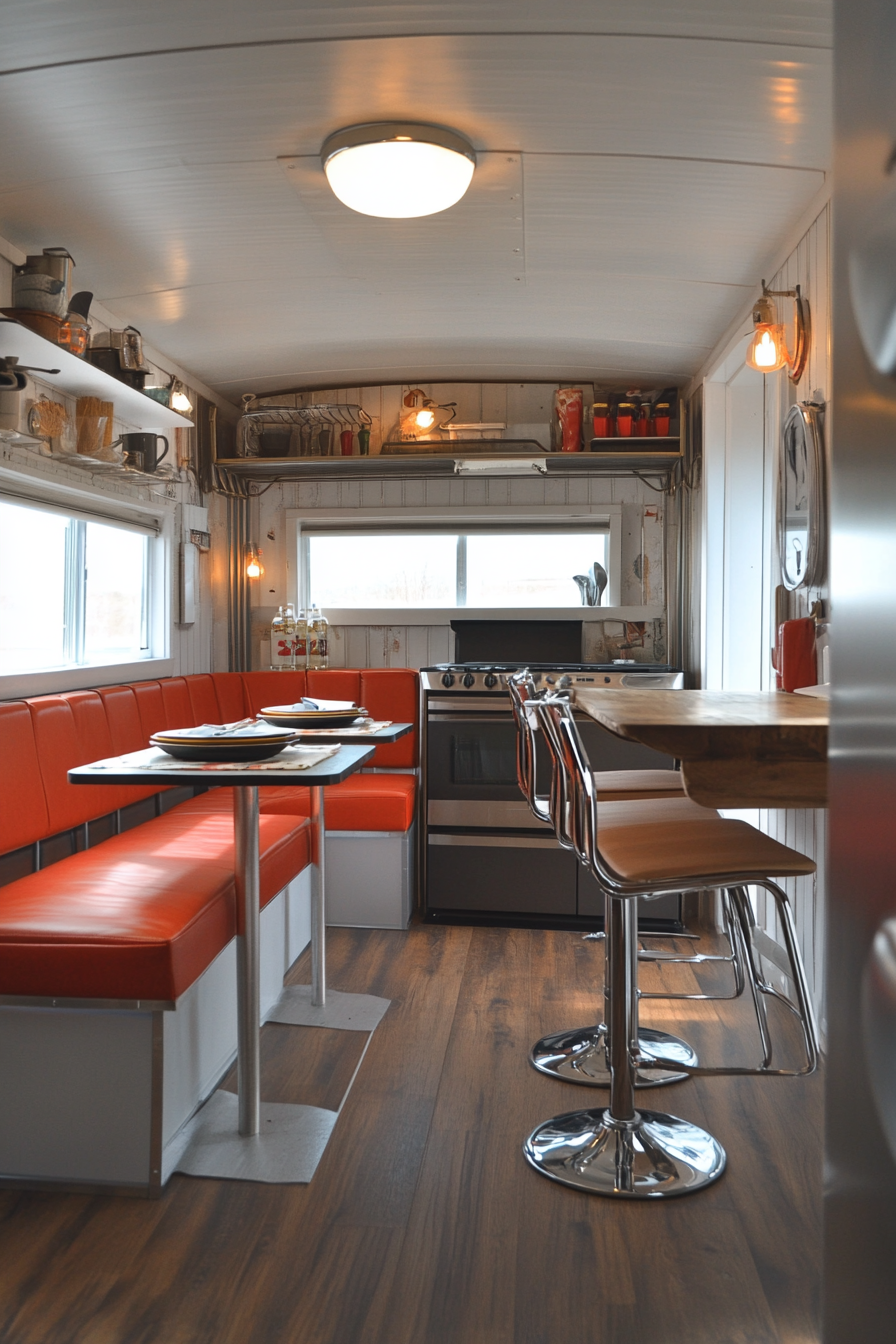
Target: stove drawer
x=501, y=874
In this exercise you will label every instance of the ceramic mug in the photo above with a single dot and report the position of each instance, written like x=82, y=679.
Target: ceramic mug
x=140, y=450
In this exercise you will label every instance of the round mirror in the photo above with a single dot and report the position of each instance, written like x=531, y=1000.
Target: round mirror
x=801, y=499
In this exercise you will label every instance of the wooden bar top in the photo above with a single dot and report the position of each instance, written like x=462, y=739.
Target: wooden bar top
x=737, y=749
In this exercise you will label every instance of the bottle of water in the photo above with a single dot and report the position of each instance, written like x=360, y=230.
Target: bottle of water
x=322, y=632
x=300, y=643
x=283, y=628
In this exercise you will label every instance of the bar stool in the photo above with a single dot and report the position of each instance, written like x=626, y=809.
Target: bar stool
x=619, y=1150
x=579, y=1055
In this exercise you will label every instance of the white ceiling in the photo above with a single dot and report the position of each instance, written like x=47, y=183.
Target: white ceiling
x=639, y=163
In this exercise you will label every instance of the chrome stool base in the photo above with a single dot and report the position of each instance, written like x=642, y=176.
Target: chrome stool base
x=580, y=1056
x=654, y=1156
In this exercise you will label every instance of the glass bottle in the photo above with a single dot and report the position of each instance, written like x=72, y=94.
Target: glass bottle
x=322, y=634
x=300, y=642
x=317, y=657
x=278, y=641
x=283, y=628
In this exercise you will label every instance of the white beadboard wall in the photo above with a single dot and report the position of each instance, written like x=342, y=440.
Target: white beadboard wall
x=809, y=266
x=398, y=645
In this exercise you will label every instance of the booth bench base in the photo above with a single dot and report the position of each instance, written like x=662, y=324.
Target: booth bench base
x=96, y=1095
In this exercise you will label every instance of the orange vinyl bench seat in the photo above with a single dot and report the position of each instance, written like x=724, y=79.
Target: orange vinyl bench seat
x=141, y=915
x=361, y=803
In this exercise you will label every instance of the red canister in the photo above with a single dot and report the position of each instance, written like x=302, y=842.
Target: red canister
x=625, y=418
x=603, y=424
x=345, y=438
x=568, y=416
x=661, y=419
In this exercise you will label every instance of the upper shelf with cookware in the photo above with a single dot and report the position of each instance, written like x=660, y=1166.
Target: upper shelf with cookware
x=57, y=368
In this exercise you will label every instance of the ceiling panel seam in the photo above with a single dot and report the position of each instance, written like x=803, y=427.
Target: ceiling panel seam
x=407, y=36
x=571, y=154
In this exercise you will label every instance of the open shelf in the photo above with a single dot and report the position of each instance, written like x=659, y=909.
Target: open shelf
x=660, y=456
x=78, y=378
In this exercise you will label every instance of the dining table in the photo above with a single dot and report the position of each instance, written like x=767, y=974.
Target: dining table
x=737, y=749
x=281, y=1133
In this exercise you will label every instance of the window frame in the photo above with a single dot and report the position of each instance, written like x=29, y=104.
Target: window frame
x=16, y=488
x=606, y=517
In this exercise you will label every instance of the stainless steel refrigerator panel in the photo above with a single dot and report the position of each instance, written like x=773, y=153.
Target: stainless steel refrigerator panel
x=859, y=1284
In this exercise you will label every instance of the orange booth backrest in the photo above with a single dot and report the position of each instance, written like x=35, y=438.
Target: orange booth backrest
x=23, y=806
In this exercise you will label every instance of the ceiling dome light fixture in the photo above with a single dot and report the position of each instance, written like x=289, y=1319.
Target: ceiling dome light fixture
x=398, y=169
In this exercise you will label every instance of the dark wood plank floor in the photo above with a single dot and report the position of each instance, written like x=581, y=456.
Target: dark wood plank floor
x=423, y=1224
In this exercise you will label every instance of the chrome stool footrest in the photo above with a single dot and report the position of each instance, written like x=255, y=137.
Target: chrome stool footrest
x=580, y=1056
x=652, y=1156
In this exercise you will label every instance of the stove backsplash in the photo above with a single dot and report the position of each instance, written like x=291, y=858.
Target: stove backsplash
x=645, y=641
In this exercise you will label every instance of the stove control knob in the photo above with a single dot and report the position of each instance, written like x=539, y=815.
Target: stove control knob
x=607, y=680
x=564, y=683
x=469, y=680
x=447, y=678
x=490, y=680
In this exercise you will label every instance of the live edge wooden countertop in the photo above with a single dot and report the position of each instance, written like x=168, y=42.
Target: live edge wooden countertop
x=737, y=749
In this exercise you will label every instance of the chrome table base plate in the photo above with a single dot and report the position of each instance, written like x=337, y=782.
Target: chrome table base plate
x=580, y=1056
x=656, y=1156
x=349, y=1012
x=286, y=1151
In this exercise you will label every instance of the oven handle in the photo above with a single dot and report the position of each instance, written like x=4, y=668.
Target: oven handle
x=486, y=705
x=480, y=716
x=495, y=841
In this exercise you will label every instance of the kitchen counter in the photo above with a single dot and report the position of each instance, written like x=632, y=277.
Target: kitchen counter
x=737, y=749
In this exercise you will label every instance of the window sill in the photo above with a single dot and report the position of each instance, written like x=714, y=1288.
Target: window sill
x=443, y=615
x=16, y=685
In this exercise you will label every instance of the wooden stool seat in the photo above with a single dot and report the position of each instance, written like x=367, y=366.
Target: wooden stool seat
x=630, y=784
x=691, y=852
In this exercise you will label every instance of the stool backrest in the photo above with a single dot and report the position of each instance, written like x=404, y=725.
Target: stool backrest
x=523, y=694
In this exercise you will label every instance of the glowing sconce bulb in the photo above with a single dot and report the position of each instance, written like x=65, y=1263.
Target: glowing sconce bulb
x=768, y=350
x=254, y=567
x=425, y=419
x=766, y=354
x=179, y=399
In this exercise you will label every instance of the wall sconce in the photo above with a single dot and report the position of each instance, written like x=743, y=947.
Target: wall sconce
x=179, y=399
x=421, y=416
x=254, y=567
x=768, y=350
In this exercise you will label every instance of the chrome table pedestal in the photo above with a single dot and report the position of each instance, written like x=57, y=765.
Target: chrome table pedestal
x=273, y=1142
x=620, y=1151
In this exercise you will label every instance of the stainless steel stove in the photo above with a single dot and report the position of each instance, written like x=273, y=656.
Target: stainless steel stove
x=489, y=676
x=484, y=854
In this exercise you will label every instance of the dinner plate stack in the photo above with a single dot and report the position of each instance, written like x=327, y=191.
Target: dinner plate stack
x=308, y=713
x=239, y=742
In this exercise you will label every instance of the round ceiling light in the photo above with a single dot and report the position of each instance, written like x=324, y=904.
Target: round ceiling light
x=398, y=170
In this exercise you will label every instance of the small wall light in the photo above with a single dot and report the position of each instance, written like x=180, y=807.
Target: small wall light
x=421, y=416
x=768, y=350
x=179, y=399
x=254, y=567
x=398, y=170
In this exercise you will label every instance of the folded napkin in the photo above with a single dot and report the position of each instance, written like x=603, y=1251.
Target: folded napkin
x=364, y=726
x=332, y=706
x=245, y=728
x=290, y=758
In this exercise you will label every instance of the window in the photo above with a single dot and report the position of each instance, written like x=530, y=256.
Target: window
x=73, y=591
x=481, y=567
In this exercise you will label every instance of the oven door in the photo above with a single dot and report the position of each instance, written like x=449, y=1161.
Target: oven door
x=471, y=758
x=499, y=875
